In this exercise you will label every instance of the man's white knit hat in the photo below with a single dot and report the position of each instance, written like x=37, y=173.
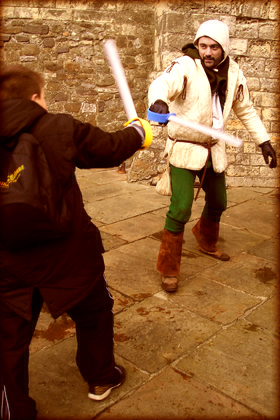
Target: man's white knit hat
x=216, y=30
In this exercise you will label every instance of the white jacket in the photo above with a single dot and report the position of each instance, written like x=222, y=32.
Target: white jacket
x=197, y=106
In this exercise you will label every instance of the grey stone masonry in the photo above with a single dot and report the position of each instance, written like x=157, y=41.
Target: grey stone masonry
x=63, y=39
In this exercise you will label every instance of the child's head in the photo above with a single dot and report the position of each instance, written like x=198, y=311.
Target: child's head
x=17, y=81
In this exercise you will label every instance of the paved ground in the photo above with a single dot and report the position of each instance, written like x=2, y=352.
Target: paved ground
x=209, y=351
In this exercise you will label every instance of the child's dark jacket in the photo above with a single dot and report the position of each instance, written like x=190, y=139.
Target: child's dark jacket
x=64, y=270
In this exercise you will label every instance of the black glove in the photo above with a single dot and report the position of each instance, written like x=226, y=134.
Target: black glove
x=160, y=107
x=267, y=150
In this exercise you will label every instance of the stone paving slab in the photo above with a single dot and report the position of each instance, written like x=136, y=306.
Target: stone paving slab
x=98, y=192
x=155, y=332
x=255, y=216
x=51, y=331
x=136, y=228
x=131, y=269
x=121, y=301
x=272, y=199
x=175, y=395
x=242, y=194
x=126, y=206
x=232, y=240
x=248, y=273
x=111, y=241
x=59, y=389
x=146, y=280
x=87, y=177
x=268, y=249
x=267, y=315
x=213, y=300
x=241, y=362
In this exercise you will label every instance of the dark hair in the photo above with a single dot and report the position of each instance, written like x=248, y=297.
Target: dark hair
x=17, y=81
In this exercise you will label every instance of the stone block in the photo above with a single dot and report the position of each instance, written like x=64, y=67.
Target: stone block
x=88, y=107
x=243, y=351
x=62, y=50
x=271, y=100
x=5, y=38
x=254, y=213
x=275, y=49
x=176, y=395
x=248, y=273
x=61, y=97
x=7, y=11
x=218, y=6
x=42, y=3
x=253, y=67
x=253, y=83
x=160, y=342
x=213, y=300
x=249, y=147
x=53, y=66
x=269, y=30
x=238, y=46
x=53, y=372
x=259, y=49
x=271, y=114
x=72, y=107
x=49, y=42
x=274, y=10
x=56, y=14
x=270, y=85
x=246, y=28
x=254, y=9
x=242, y=159
x=272, y=70
x=36, y=29
x=30, y=49
x=27, y=12
x=27, y=58
x=266, y=316
x=22, y=38
x=11, y=30
x=174, y=23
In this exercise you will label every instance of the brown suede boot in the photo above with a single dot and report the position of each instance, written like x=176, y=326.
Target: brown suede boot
x=169, y=259
x=206, y=233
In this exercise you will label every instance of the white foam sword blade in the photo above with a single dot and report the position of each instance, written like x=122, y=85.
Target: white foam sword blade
x=119, y=75
x=215, y=134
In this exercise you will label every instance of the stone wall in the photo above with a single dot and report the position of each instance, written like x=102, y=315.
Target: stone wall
x=64, y=39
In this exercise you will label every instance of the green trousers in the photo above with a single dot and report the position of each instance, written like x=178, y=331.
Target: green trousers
x=182, y=181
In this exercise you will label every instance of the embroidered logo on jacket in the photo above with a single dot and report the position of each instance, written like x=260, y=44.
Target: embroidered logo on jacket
x=12, y=178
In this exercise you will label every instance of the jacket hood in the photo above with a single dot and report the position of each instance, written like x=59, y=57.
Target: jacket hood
x=17, y=116
x=216, y=30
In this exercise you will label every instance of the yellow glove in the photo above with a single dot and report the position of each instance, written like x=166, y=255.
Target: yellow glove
x=148, y=131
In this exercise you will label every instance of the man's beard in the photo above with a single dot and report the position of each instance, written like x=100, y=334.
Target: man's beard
x=209, y=59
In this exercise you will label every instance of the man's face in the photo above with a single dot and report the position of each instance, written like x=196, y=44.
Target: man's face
x=211, y=53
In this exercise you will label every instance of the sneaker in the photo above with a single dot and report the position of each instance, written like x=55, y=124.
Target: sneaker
x=100, y=392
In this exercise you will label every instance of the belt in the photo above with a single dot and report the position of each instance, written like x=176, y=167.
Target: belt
x=206, y=145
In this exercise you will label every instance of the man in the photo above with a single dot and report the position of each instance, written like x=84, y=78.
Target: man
x=203, y=86
x=67, y=273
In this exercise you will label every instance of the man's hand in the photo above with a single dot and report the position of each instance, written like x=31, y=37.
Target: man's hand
x=268, y=151
x=160, y=107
